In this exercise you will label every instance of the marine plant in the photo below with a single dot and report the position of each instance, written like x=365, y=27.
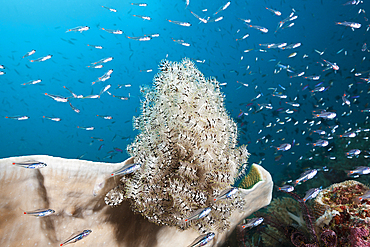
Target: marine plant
x=187, y=148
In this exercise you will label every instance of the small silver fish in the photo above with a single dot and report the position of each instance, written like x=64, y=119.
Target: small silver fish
x=312, y=193
x=305, y=176
x=353, y=152
x=252, y=222
x=198, y=214
x=126, y=169
x=286, y=188
x=366, y=195
x=325, y=115
x=226, y=194
x=284, y=147
x=30, y=164
x=76, y=237
x=360, y=170
x=202, y=240
x=40, y=212
x=320, y=143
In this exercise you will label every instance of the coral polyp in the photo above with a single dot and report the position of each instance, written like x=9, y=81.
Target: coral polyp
x=187, y=148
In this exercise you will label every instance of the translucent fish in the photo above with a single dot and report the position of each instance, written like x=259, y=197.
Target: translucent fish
x=202, y=240
x=126, y=169
x=76, y=237
x=40, y=212
x=198, y=214
x=30, y=164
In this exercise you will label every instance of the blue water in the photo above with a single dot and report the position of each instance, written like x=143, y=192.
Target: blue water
x=42, y=25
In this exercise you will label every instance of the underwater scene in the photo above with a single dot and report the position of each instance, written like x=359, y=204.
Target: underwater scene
x=166, y=85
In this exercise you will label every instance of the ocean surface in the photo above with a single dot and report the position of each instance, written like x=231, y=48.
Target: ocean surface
x=270, y=57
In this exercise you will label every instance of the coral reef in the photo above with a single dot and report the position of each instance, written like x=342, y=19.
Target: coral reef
x=345, y=215
x=75, y=189
x=342, y=219
x=285, y=228
x=186, y=156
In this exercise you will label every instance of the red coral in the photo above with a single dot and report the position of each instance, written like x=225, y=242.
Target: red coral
x=356, y=237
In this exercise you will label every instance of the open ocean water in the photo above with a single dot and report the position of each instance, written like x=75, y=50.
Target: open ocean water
x=270, y=64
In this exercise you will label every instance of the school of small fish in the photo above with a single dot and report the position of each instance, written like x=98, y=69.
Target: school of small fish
x=320, y=91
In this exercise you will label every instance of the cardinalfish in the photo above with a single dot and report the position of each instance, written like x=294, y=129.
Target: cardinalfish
x=353, y=152
x=348, y=135
x=96, y=46
x=140, y=4
x=262, y=29
x=42, y=59
x=110, y=9
x=309, y=174
x=40, y=212
x=140, y=38
x=278, y=13
x=76, y=237
x=143, y=17
x=126, y=169
x=284, y=147
x=105, y=116
x=55, y=119
x=31, y=82
x=86, y=128
x=311, y=194
x=320, y=143
x=252, y=222
x=181, y=42
x=331, y=65
x=202, y=240
x=57, y=97
x=29, y=53
x=30, y=164
x=222, y=8
x=349, y=24
x=286, y=188
x=228, y=193
x=360, y=170
x=18, y=117
x=78, y=29
x=365, y=196
x=198, y=214
x=180, y=23
x=325, y=115
x=112, y=31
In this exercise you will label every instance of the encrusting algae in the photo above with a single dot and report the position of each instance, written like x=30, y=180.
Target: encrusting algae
x=187, y=148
